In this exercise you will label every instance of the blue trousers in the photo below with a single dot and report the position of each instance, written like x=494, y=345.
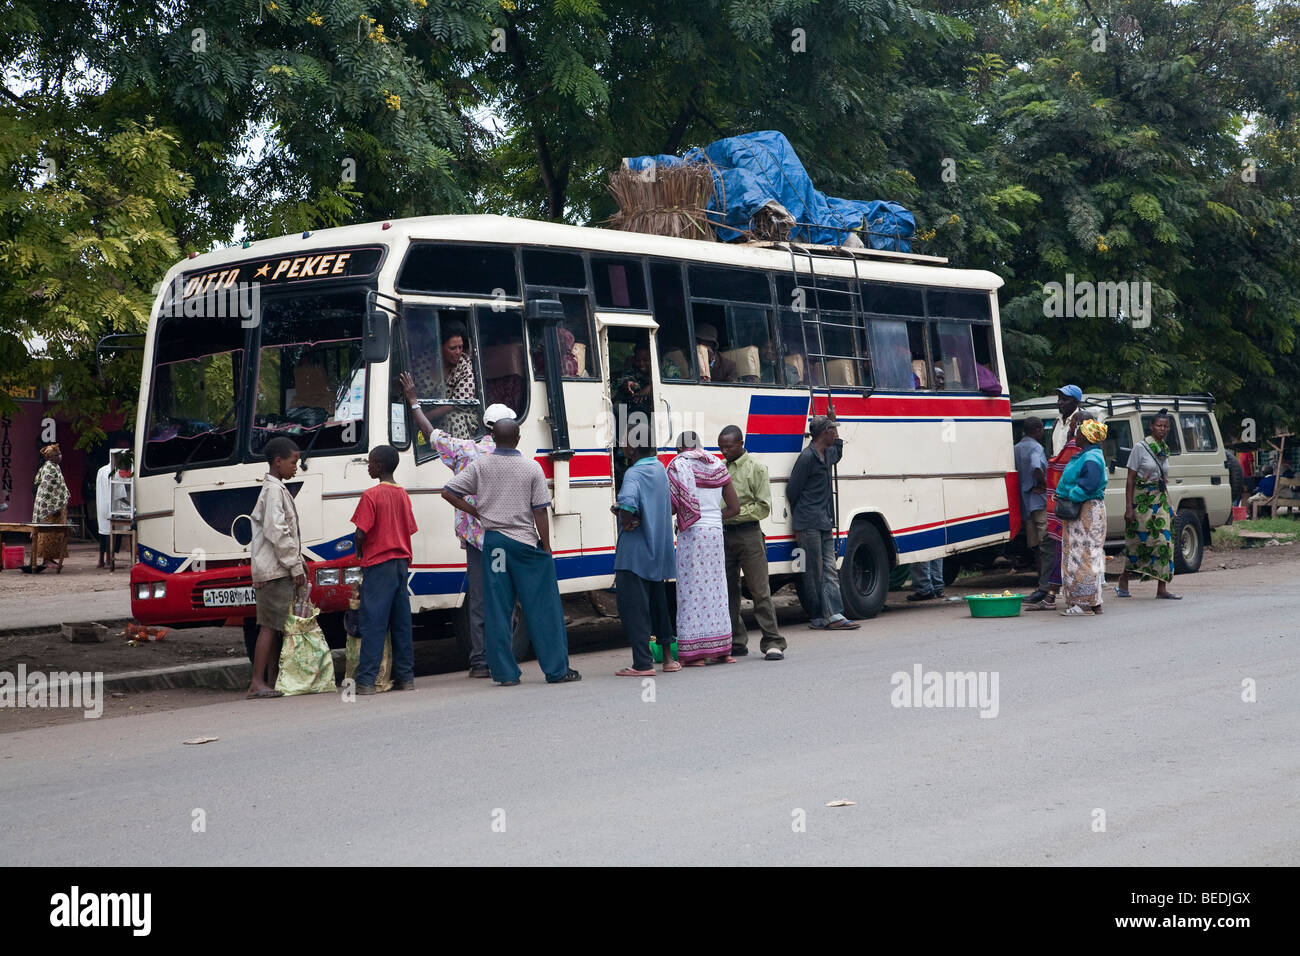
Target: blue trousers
x=927, y=576
x=513, y=569
x=385, y=612
x=819, y=585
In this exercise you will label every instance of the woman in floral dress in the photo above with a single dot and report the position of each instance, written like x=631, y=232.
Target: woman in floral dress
x=50, y=507
x=1148, y=519
x=701, y=492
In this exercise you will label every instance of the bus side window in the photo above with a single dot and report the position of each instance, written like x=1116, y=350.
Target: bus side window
x=619, y=283
x=753, y=351
x=676, y=351
x=501, y=344
x=897, y=364
x=986, y=366
x=731, y=318
x=577, y=358
x=794, y=364
x=954, y=356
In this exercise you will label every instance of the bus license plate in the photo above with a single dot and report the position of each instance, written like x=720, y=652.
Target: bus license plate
x=229, y=597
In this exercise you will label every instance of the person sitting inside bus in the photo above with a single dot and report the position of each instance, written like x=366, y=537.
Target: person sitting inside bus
x=632, y=387
x=769, y=362
x=720, y=369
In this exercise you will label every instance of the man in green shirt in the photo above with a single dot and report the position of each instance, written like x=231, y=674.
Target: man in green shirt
x=746, y=548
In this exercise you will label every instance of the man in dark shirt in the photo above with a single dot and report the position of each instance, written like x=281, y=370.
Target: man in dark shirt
x=812, y=514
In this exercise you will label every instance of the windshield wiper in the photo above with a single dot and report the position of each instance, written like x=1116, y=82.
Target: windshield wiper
x=234, y=411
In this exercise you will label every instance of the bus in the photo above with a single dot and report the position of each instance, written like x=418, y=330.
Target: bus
x=307, y=335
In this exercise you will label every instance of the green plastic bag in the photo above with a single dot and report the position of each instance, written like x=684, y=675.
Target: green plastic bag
x=353, y=660
x=306, y=666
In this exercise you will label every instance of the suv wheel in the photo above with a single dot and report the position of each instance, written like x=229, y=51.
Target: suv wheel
x=1189, y=545
x=864, y=574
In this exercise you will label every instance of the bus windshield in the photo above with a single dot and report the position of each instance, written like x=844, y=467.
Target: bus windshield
x=193, y=412
x=311, y=376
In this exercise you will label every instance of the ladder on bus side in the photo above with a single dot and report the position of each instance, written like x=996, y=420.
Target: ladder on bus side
x=818, y=283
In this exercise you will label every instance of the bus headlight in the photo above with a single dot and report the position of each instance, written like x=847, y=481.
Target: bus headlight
x=326, y=576
x=352, y=576
x=142, y=592
x=160, y=589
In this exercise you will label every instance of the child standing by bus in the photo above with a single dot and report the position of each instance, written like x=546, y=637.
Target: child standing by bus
x=385, y=524
x=277, y=568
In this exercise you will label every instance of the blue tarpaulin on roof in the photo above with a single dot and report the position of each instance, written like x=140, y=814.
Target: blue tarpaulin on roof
x=755, y=169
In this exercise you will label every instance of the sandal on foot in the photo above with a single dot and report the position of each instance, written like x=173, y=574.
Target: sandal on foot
x=265, y=694
x=672, y=667
x=633, y=672
x=1074, y=610
x=1119, y=593
x=569, y=677
x=1169, y=597
x=844, y=624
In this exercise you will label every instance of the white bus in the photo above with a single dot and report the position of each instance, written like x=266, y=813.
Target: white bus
x=306, y=336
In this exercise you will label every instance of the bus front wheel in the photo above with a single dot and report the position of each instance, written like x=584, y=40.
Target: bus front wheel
x=864, y=574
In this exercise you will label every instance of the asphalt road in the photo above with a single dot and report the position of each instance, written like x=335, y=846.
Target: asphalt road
x=1138, y=713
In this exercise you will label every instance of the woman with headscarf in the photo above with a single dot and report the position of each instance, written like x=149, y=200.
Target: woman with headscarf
x=1148, y=519
x=50, y=507
x=1081, y=506
x=699, y=487
x=1056, y=466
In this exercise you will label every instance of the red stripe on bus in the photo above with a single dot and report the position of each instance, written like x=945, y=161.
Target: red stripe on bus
x=580, y=466
x=776, y=424
x=886, y=405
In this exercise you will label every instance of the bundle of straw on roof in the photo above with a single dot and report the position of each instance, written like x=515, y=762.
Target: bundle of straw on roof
x=663, y=200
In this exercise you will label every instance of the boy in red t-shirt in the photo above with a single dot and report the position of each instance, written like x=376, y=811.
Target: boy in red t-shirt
x=385, y=524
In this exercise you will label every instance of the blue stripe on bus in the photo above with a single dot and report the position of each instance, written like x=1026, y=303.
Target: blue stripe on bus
x=771, y=444
x=952, y=534
x=778, y=405
x=567, y=567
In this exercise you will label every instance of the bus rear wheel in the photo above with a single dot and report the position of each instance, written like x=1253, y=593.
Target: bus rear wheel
x=864, y=574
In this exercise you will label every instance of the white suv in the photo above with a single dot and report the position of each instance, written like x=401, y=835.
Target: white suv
x=1199, y=489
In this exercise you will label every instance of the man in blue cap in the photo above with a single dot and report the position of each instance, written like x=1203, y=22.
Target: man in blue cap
x=1067, y=400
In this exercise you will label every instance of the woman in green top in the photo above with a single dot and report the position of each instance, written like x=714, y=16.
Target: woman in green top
x=1148, y=520
x=1083, y=560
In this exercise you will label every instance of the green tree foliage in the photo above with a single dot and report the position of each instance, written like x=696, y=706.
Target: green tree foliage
x=1094, y=138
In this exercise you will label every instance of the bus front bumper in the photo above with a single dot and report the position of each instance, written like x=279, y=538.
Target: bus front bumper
x=218, y=595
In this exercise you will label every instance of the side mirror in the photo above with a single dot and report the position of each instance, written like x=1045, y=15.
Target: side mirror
x=375, y=346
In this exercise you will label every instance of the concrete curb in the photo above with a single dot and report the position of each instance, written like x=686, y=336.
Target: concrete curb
x=112, y=623
x=214, y=675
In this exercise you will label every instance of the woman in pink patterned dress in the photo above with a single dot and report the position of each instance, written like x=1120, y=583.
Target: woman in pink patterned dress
x=702, y=496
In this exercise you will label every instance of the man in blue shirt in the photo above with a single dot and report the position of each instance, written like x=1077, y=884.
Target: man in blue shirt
x=1031, y=469
x=644, y=558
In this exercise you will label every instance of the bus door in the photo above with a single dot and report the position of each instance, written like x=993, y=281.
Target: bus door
x=633, y=394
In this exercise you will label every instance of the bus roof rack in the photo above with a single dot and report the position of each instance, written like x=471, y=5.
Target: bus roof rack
x=841, y=252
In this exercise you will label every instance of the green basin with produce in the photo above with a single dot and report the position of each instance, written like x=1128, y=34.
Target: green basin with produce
x=994, y=605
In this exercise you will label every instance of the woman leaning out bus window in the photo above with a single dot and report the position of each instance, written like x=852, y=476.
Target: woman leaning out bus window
x=1081, y=506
